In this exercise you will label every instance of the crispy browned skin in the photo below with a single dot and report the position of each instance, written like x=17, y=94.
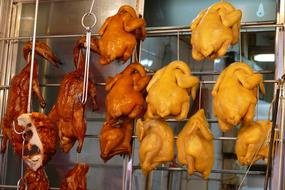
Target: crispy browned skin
x=214, y=30
x=119, y=35
x=125, y=96
x=68, y=111
x=75, y=179
x=35, y=180
x=18, y=93
x=115, y=140
x=235, y=95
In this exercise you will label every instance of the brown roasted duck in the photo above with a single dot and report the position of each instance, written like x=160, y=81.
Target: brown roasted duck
x=168, y=91
x=214, y=30
x=125, y=96
x=75, y=179
x=119, y=35
x=40, y=139
x=35, y=180
x=68, y=111
x=195, y=145
x=235, y=95
x=156, y=143
x=115, y=139
x=252, y=142
x=19, y=87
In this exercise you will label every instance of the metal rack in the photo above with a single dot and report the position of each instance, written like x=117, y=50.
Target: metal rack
x=172, y=31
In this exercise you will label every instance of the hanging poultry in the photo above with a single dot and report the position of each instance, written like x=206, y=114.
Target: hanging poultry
x=235, y=95
x=125, y=96
x=195, y=145
x=35, y=180
x=252, y=141
x=75, y=179
x=156, y=143
x=17, y=102
x=68, y=111
x=214, y=30
x=115, y=139
x=40, y=139
x=119, y=35
x=168, y=91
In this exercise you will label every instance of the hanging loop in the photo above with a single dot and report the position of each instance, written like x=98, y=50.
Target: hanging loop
x=22, y=180
x=89, y=14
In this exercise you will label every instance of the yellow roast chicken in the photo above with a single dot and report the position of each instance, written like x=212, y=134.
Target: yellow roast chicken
x=235, y=95
x=195, y=145
x=168, y=91
x=252, y=142
x=214, y=29
x=156, y=143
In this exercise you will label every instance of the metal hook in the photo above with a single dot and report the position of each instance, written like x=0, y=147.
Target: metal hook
x=94, y=22
x=178, y=48
x=200, y=95
x=19, y=183
x=240, y=52
x=86, y=69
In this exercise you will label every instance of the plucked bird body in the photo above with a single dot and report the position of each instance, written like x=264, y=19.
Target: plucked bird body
x=35, y=180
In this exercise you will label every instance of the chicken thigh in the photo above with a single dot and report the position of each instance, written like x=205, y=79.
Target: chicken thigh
x=119, y=35
x=35, y=180
x=168, y=91
x=195, y=145
x=214, y=30
x=75, y=179
x=252, y=142
x=156, y=143
x=235, y=95
x=17, y=103
x=125, y=96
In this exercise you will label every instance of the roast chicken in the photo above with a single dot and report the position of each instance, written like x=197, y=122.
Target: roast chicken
x=235, y=95
x=168, y=91
x=214, y=30
x=68, y=111
x=19, y=87
x=35, y=180
x=125, y=96
x=156, y=143
x=75, y=179
x=40, y=139
x=252, y=141
x=195, y=145
x=119, y=35
x=115, y=139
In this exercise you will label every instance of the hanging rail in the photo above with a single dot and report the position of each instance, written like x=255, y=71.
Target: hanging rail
x=156, y=30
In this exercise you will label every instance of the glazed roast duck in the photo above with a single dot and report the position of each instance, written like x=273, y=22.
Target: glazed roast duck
x=68, y=111
x=18, y=92
x=214, y=30
x=35, y=180
x=119, y=35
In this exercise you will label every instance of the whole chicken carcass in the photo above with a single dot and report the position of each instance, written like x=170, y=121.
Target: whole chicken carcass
x=115, y=139
x=168, y=91
x=235, y=95
x=125, y=96
x=68, y=111
x=40, y=139
x=195, y=145
x=75, y=179
x=119, y=35
x=19, y=87
x=156, y=143
x=214, y=29
x=35, y=180
x=252, y=141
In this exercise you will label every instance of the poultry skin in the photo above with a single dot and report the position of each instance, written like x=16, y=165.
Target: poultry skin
x=252, y=141
x=235, y=95
x=75, y=179
x=17, y=102
x=125, y=96
x=119, y=35
x=168, y=91
x=115, y=139
x=195, y=145
x=68, y=111
x=214, y=30
x=156, y=143
x=35, y=180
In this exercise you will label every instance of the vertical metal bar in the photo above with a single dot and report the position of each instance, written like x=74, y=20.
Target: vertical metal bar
x=33, y=57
